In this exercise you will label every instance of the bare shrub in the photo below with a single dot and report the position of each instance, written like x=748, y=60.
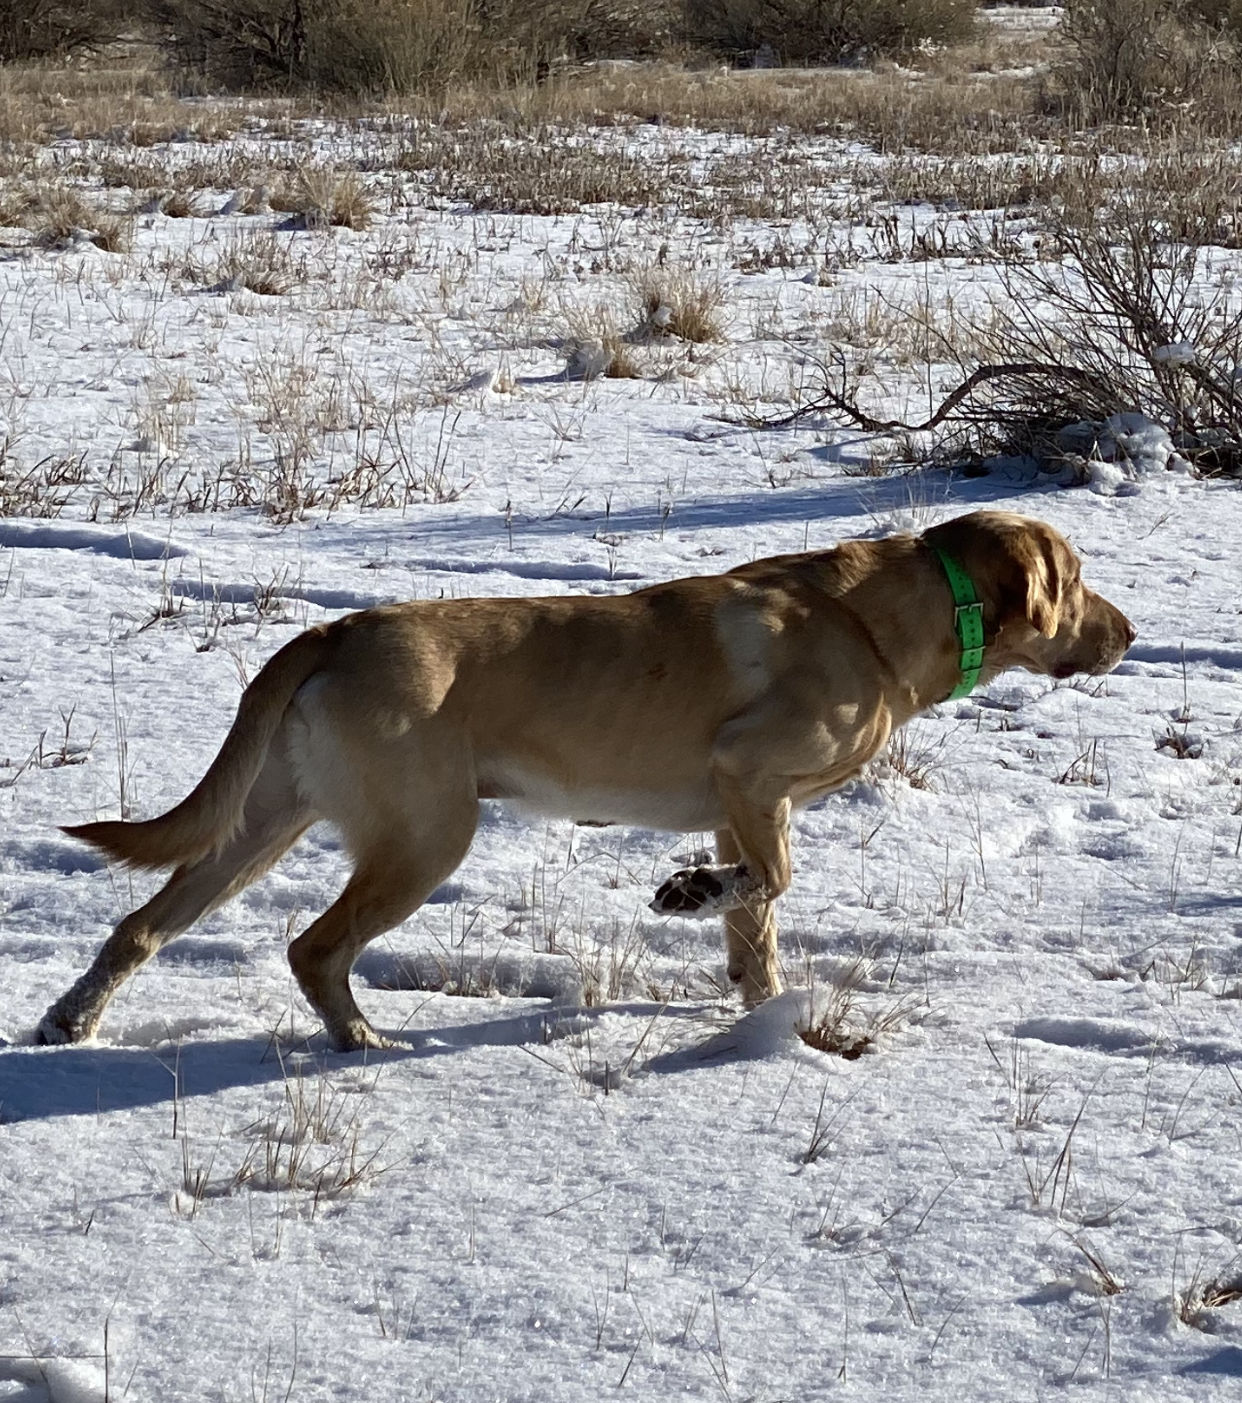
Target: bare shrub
x=526, y=32
x=35, y=28
x=349, y=45
x=1124, y=57
x=796, y=31
x=401, y=46
x=1114, y=316
x=1121, y=323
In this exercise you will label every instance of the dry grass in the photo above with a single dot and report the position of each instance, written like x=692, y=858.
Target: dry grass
x=990, y=96
x=59, y=216
x=261, y=262
x=124, y=98
x=678, y=302
x=840, y=1025
x=211, y=168
x=564, y=169
x=674, y=310
x=896, y=109
x=43, y=489
x=312, y=1146
x=182, y=204
x=1105, y=311
x=609, y=970
x=587, y=139
x=1197, y=1303
x=913, y=756
x=321, y=197
x=597, y=346
x=535, y=172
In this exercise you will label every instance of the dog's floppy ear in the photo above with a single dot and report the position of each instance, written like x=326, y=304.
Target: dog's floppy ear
x=1045, y=582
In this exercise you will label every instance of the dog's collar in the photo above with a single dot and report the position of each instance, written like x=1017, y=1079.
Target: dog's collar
x=968, y=621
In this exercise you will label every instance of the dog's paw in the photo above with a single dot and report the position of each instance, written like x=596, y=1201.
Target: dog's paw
x=704, y=891
x=54, y=1030
x=357, y=1035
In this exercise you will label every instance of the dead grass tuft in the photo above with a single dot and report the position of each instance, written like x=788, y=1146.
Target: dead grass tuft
x=44, y=489
x=260, y=262
x=911, y=755
x=319, y=197
x=183, y=204
x=311, y=1146
x=1196, y=1305
x=840, y=1025
x=596, y=346
x=58, y=217
x=678, y=302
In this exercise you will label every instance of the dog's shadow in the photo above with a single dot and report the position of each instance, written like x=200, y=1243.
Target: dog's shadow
x=42, y=1083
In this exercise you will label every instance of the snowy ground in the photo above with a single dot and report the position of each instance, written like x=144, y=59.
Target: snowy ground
x=589, y=1176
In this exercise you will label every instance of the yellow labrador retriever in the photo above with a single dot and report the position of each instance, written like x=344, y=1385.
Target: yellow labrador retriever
x=719, y=702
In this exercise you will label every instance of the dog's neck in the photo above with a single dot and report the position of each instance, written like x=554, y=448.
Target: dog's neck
x=910, y=618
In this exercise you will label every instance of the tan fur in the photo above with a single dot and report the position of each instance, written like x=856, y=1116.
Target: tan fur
x=719, y=702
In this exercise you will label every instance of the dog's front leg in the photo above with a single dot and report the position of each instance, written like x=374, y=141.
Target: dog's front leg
x=753, y=870
x=750, y=937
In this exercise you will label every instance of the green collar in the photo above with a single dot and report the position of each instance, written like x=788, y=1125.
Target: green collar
x=968, y=620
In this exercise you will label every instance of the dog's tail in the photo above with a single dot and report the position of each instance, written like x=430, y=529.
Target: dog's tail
x=206, y=819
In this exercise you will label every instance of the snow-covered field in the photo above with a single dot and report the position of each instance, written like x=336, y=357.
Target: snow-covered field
x=590, y=1175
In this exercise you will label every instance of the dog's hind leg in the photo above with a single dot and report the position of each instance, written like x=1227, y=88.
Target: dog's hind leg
x=396, y=872
x=273, y=820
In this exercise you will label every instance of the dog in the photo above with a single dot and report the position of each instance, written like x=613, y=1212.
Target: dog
x=718, y=702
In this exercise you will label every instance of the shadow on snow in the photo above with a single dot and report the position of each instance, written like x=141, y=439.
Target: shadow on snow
x=42, y=1083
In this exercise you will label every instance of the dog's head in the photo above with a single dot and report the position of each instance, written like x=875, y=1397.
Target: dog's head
x=1038, y=614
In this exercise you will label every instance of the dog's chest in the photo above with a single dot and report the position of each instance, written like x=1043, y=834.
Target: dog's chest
x=677, y=810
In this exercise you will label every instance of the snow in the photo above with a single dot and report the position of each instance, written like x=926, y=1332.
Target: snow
x=583, y=1171
x=1120, y=451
